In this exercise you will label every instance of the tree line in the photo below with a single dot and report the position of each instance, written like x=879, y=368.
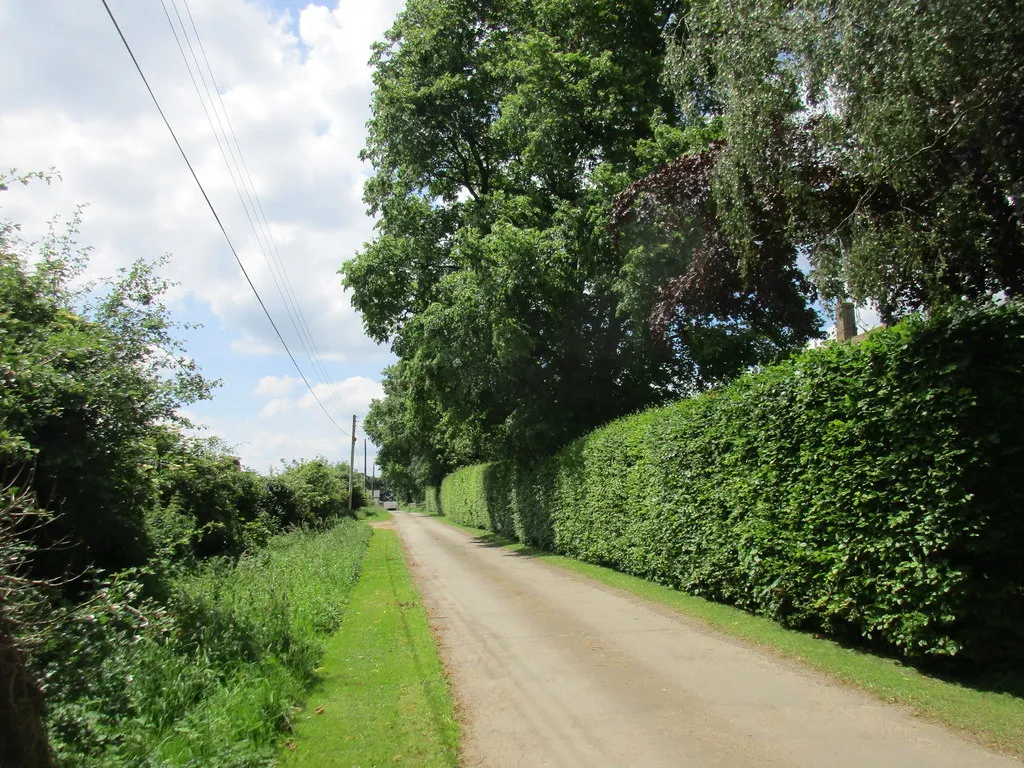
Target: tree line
x=101, y=477
x=587, y=207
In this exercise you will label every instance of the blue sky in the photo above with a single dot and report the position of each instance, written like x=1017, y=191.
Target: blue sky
x=295, y=85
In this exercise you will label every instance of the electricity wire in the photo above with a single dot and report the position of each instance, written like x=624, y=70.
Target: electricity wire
x=243, y=184
x=227, y=116
x=216, y=216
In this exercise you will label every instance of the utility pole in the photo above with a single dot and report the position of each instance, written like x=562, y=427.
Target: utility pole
x=351, y=463
x=364, y=463
x=373, y=479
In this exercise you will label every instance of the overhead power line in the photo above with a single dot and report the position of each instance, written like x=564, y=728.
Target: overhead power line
x=220, y=224
x=259, y=205
x=238, y=170
x=241, y=178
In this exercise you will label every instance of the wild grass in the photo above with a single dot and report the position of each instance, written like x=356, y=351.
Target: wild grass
x=989, y=712
x=382, y=698
x=210, y=675
x=375, y=513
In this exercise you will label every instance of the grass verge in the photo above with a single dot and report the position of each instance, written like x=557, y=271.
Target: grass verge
x=373, y=514
x=382, y=697
x=992, y=717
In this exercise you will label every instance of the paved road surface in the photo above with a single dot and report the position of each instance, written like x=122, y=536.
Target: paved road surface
x=553, y=669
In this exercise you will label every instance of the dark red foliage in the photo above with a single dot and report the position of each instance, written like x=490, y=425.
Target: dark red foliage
x=675, y=192
x=765, y=293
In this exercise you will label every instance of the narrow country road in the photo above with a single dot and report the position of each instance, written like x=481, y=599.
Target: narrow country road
x=553, y=669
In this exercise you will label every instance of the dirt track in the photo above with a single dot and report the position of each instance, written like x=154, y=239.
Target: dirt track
x=553, y=669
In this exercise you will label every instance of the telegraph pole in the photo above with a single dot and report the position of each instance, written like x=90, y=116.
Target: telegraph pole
x=351, y=463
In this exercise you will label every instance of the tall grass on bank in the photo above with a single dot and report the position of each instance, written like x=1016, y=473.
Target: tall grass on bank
x=383, y=698
x=210, y=675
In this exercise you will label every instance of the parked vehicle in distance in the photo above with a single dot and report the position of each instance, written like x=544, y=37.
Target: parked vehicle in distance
x=390, y=505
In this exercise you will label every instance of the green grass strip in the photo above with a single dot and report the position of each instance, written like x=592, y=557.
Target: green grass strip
x=382, y=690
x=373, y=513
x=992, y=717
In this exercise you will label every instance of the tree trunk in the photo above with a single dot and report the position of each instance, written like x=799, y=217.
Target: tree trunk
x=23, y=739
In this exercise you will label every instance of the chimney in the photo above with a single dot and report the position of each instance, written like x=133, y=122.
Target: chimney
x=846, y=321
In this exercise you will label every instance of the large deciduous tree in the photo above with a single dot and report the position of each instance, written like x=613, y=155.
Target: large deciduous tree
x=500, y=133
x=882, y=139
x=720, y=312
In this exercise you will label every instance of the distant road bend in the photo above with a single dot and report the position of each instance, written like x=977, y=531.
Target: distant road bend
x=553, y=669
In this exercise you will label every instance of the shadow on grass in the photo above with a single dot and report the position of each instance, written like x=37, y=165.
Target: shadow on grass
x=419, y=509
x=1007, y=681
x=372, y=514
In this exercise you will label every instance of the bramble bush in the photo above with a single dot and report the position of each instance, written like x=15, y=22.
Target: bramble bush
x=149, y=613
x=210, y=674
x=868, y=491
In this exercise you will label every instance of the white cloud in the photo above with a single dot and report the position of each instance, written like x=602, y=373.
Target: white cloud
x=275, y=386
x=292, y=425
x=250, y=345
x=276, y=407
x=349, y=396
x=278, y=446
x=297, y=100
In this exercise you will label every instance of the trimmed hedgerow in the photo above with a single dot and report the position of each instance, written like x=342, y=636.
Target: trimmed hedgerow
x=870, y=491
x=464, y=491
x=432, y=500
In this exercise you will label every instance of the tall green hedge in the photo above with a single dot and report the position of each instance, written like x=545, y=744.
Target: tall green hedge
x=432, y=500
x=463, y=493
x=870, y=491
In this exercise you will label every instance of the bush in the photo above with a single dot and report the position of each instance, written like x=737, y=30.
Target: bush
x=321, y=490
x=867, y=491
x=91, y=380
x=191, y=652
x=211, y=675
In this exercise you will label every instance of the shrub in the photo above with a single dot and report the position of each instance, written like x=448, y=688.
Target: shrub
x=867, y=491
x=321, y=490
x=210, y=675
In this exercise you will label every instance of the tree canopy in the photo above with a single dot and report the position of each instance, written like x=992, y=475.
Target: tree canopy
x=584, y=208
x=885, y=139
x=90, y=373
x=501, y=134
